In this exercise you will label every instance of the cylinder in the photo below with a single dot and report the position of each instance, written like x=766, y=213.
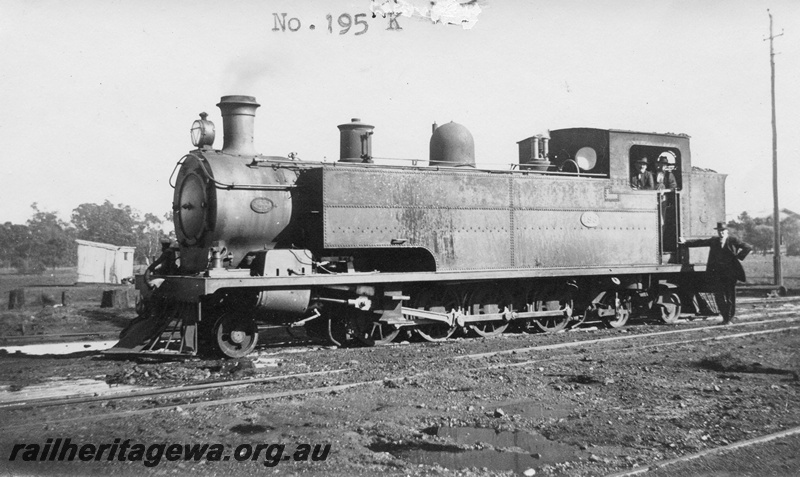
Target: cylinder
x=355, y=141
x=238, y=118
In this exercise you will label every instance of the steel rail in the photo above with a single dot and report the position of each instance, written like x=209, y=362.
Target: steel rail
x=85, y=398
x=196, y=405
x=297, y=392
x=717, y=450
x=637, y=348
x=56, y=336
x=571, y=344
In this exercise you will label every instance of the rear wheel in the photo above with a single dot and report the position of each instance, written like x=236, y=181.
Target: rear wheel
x=621, y=304
x=670, y=308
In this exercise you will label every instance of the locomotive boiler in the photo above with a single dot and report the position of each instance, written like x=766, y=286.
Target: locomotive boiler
x=355, y=251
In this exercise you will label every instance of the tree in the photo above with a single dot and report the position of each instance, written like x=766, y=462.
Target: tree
x=736, y=228
x=46, y=241
x=106, y=223
x=761, y=238
x=759, y=232
x=15, y=244
x=53, y=240
x=119, y=225
x=790, y=231
x=149, y=234
x=756, y=231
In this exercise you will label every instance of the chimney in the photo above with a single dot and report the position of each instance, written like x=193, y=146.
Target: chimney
x=238, y=117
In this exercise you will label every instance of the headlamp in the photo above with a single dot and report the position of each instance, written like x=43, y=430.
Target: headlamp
x=202, y=131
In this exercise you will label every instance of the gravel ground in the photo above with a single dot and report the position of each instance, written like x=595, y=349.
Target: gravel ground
x=588, y=409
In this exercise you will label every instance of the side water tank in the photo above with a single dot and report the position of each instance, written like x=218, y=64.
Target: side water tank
x=452, y=145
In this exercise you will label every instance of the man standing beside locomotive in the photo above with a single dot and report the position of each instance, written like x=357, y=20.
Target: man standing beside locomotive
x=724, y=267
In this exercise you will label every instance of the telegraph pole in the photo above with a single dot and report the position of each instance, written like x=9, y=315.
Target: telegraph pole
x=776, y=217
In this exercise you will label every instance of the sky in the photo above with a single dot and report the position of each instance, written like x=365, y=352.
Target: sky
x=97, y=97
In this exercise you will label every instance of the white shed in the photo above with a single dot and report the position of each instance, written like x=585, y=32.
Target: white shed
x=103, y=263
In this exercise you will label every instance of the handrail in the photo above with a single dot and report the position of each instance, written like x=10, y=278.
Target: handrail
x=232, y=186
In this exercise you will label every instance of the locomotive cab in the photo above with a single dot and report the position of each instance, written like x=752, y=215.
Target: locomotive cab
x=616, y=155
x=612, y=154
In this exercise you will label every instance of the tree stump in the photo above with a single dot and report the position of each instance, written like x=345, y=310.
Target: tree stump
x=16, y=299
x=47, y=299
x=66, y=300
x=118, y=298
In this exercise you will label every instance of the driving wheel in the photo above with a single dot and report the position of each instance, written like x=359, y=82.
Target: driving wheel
x=441, y=300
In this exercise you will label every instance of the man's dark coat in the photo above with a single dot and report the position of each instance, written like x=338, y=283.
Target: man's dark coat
x=724, y=261
x=645, y=182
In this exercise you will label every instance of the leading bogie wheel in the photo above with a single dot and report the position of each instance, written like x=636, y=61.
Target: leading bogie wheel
x=235, y=335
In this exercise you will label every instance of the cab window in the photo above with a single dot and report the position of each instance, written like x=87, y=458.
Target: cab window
x=644, y=160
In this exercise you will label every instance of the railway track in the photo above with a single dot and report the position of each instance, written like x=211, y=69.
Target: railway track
x=192, y=396
x=665, y=464
x=278, y=336
x=55, y=337
x=187, y=389
x=656, y=334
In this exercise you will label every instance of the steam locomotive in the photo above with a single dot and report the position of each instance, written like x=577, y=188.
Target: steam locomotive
x=354, y=251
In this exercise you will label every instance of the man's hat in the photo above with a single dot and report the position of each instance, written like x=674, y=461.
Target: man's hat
x=165, y=241
x=641, y=161
x=721, y=226
x=667, y=157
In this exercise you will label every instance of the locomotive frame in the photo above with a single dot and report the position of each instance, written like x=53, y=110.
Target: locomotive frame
x=355, y=251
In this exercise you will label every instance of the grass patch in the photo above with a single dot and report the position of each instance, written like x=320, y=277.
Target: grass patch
x=759, y=270
x=47, y=289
